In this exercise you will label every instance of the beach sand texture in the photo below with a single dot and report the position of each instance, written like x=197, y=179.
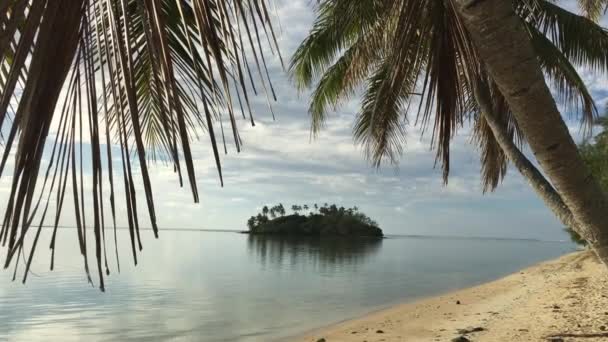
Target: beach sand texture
x=565, y=299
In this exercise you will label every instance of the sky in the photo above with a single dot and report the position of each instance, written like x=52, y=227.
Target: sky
x=281, y=164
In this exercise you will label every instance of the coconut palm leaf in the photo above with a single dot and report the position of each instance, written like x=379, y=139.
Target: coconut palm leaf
x=341, y=79
x=379, y=125
x=146, y=76
x=566, y=81
x=338, y=24
x=593, y=9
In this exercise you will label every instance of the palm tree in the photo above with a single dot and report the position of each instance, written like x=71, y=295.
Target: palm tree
x=537, y=115
x=144, y=75
x=281, y=209
x=251, y=223
x=428, y=50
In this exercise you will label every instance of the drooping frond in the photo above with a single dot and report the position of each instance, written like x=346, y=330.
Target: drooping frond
x=579, y=39
x=142, y=75
x=380, y=126
x=593, y=9
x=570, y=87
x=450, y=59
x=337, y=26
x=493, y=159
x=342, y=79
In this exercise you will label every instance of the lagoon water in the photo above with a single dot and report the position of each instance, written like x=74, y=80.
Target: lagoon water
x=214, y=286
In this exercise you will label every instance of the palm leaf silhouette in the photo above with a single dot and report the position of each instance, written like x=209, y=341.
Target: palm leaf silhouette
x=144, y=75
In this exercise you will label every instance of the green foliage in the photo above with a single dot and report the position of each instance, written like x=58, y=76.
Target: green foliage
x=325, y=220
x=595, y=155
x=575, y=237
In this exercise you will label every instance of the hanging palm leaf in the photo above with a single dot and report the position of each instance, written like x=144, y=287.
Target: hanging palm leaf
x=143, y=75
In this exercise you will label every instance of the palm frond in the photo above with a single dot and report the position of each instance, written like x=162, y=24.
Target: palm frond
x=337, y=26
x=380, y=126
x=593, y=9
x=342, y=79
x=579, y=39
x=570, y=87
x=143, y=75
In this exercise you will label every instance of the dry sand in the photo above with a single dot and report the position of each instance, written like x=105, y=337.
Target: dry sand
x=565, y=299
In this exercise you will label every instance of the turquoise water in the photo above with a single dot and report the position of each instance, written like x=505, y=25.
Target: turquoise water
x=213, y=286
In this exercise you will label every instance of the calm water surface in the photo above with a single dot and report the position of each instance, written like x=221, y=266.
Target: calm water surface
x=202, y=286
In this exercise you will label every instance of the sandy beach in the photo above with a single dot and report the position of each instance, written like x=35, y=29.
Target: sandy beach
x=565, y=299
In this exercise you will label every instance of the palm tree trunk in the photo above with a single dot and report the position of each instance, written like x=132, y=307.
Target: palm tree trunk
x=533, y=176
x=507, y=53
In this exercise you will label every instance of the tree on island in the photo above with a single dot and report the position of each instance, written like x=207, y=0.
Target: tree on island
x=330, y=220
x=281, y=209
x=296, y=208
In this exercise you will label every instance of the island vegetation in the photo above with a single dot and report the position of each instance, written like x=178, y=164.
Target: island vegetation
x=314, y=220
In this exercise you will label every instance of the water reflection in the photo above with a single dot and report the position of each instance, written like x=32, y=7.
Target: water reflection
x=319, y=253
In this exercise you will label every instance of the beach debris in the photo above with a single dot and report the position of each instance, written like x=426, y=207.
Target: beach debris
x=460, y=339
x=322, y=340
x=602, y=327
x=457, y=302
x=379, y=331
x=470, y=330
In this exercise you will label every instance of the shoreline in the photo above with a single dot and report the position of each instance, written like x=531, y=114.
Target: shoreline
x=564, y=298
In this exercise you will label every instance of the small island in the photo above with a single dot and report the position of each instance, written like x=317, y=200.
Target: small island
x=314, y=220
